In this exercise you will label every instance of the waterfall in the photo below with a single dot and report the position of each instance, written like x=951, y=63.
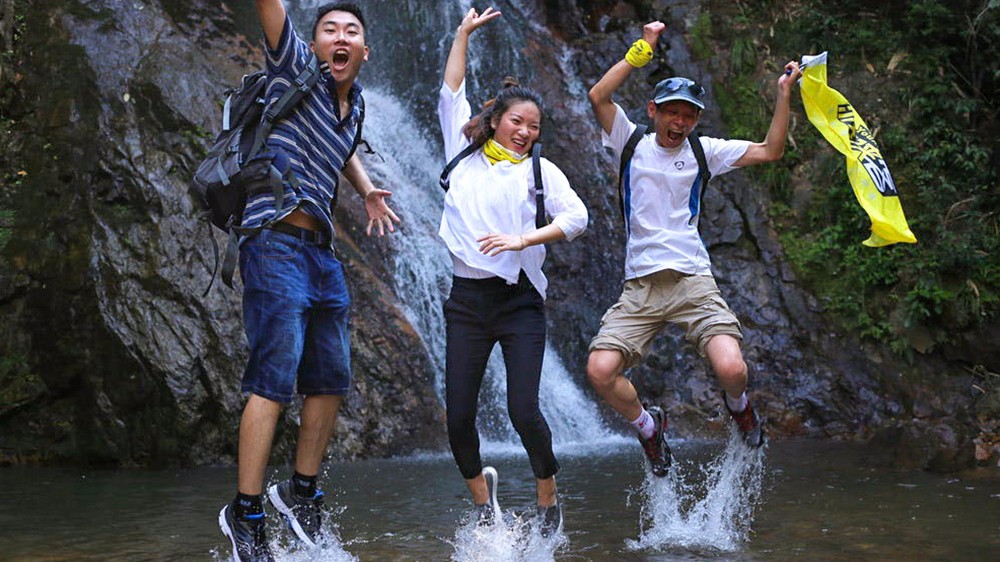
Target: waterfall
x=401, y=82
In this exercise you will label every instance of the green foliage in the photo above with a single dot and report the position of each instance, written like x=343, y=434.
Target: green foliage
x=926, y=76
x=743, y=56
x=18, y=383
x=701, y=36
x=12, y=173
x=743, y=107
x=6, y=227
x=197, y=138
x=748, y=115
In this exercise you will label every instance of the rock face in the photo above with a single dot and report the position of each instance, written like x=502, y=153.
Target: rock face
x=124, y=361
x=111, y=355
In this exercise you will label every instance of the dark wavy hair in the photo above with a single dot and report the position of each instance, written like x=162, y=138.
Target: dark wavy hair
x=479, y=129
x=348, y=7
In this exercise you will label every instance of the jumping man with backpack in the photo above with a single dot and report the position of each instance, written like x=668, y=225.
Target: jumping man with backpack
x=668, y=277
x=295, y=300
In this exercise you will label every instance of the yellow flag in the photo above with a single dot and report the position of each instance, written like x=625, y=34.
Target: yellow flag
x=835, y=117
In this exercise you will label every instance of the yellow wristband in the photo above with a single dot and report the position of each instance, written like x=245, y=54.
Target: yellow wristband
x=639, y=54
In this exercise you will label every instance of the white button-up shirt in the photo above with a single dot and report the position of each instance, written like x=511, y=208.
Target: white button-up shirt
x=498, y=198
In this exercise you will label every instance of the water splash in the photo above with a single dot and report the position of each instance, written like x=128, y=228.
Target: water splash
x=516, y=539
x=330, y=549
x=708, y=506
x=287, y=548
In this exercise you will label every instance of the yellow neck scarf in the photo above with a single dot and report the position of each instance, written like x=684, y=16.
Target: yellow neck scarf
x=495, y=152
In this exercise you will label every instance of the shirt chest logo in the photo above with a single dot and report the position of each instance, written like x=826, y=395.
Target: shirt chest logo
x=679, y=164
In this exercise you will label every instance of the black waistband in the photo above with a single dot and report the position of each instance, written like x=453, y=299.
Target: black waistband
x=495, y=283
x=312, y=236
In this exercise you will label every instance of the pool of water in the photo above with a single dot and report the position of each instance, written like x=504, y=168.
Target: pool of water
x=806, y=500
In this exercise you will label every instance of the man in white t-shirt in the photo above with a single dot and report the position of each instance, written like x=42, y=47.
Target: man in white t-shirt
x=668, y=276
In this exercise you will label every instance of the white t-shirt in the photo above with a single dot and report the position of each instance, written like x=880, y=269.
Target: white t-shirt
x=658, y=194
x=498, y=198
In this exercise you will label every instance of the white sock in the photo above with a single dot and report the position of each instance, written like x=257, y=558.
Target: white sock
x=736, y=405
x=644, y=424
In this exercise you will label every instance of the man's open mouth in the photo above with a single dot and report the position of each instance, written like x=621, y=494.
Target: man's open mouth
x=340, y=58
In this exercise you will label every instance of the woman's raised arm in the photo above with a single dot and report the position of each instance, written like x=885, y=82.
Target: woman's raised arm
x=454, y=70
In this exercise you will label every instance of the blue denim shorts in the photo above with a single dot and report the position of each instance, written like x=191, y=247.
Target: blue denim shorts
x=296, y=315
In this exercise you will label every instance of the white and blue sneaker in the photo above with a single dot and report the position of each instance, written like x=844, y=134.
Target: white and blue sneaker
x=304, y=515
x=248, y=536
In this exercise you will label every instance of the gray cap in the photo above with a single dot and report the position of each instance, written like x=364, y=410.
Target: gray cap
x=678, y=88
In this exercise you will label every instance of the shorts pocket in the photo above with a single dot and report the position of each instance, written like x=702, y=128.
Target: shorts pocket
x=610, y=311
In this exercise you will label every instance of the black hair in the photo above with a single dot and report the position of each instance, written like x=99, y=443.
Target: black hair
x=479, y=129
x=349, y=7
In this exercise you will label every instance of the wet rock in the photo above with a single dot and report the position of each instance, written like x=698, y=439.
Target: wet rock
x=939, y=446
x=122, y=361
x=981, y=345
x=687, y=420
x=987, y=443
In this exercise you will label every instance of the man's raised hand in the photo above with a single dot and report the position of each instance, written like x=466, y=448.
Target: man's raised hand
x=652, y=30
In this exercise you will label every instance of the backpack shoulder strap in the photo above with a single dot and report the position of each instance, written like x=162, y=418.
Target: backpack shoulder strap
x=536, y=168
x=699, y=155
x=357, y=133
x=627, y=153
x=444, y=182
x=354, y=146
x=299, y=87
x=703, y=173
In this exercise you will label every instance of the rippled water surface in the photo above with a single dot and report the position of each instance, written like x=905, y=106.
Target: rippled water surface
x=813, y=500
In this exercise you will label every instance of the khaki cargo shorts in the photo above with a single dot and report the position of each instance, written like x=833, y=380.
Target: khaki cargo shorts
x=649, y=303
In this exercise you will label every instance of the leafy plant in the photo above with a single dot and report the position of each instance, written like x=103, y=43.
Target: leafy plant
x=928, y=73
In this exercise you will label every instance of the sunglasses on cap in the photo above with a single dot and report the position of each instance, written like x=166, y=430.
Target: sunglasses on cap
x=674, y=84
x=679, y=89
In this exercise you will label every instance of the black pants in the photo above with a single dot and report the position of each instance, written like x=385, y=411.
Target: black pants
x=478, y=314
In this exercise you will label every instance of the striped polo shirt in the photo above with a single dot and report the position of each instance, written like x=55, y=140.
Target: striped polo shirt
x=313, y=137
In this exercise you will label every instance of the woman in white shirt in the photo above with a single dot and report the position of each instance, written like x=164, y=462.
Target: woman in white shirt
x=498, y=289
